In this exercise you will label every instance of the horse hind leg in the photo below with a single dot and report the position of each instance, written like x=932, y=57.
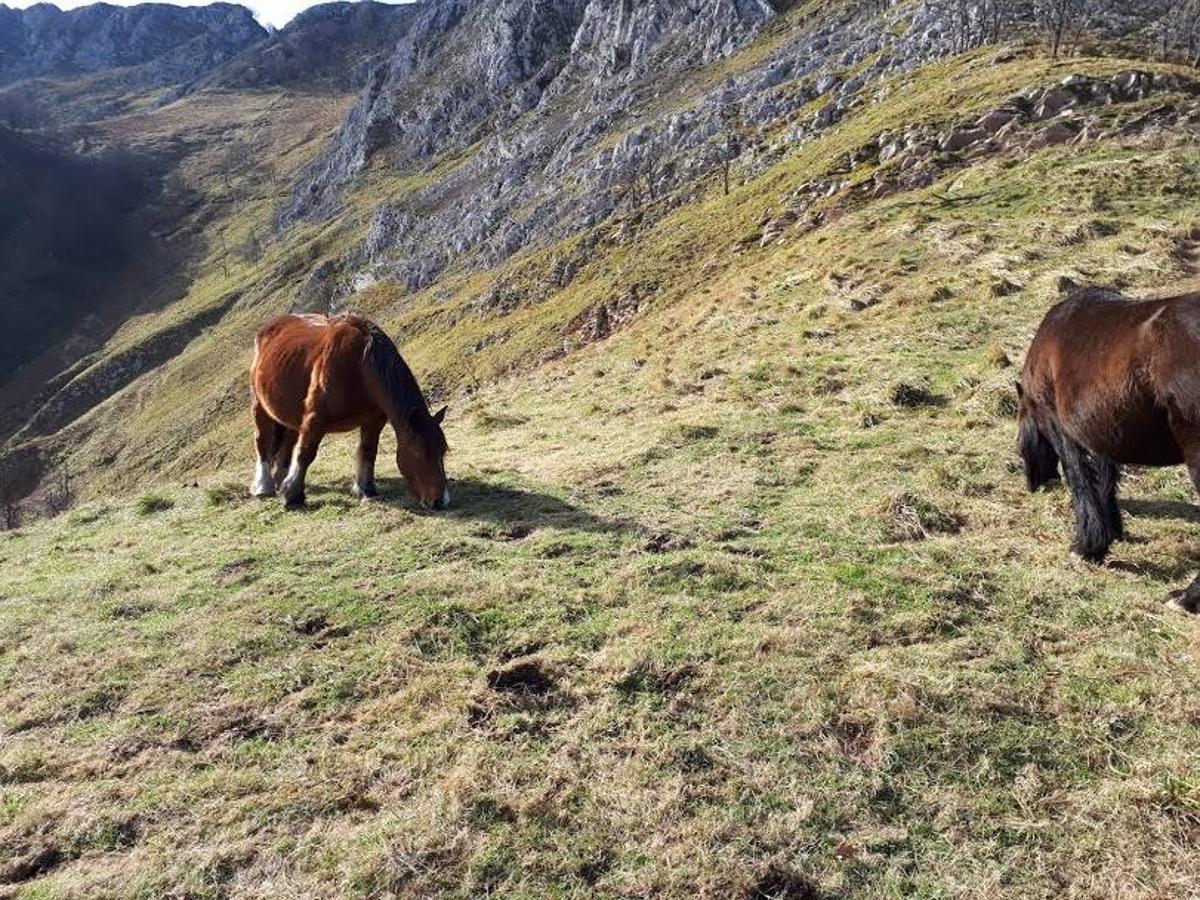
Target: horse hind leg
x=267, y=435
x=292, y=489
x=1188, y=599
x=283, y=454
x=1093, y=484
x=1108, y=476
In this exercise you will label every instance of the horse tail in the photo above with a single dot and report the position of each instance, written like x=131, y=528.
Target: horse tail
x=1038, y=454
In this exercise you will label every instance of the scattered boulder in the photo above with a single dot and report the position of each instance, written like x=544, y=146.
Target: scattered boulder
x=827, y=115
x=961, y=139
x=1052, y=102
x=1058, y=133
x=996, y=119
x=777, y=226
x=1131, y=84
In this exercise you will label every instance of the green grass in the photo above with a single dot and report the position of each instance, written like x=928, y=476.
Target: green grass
x=746, y=598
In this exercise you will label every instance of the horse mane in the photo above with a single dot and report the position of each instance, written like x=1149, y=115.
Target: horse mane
x=396, y=380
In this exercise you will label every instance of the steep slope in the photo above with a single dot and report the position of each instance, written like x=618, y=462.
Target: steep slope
x=740, y=594
x=745, y=600
x=507, y=152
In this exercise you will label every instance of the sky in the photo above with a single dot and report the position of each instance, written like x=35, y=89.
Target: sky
x=269, y=12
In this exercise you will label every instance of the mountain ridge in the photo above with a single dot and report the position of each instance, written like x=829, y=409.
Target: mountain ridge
x=165, y=41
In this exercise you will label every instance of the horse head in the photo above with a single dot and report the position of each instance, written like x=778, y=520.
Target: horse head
x=1037, y=453
x=422, y=458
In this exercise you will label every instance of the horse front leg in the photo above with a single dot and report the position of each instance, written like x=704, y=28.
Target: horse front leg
x=292, y=489
x=1093, y=485
x=368, y=448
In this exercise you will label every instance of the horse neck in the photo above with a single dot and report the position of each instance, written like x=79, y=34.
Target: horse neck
x=397, y=391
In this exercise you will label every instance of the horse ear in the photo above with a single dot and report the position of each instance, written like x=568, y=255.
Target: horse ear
x=1020, y=390
x=440, y=414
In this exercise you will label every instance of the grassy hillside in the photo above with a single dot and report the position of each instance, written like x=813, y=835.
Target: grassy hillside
x=744, y=601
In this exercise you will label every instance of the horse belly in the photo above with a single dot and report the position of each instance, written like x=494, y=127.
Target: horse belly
x=1140, y=436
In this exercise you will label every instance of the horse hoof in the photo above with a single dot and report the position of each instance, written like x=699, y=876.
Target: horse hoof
x=1084, y=556
x=294, y=502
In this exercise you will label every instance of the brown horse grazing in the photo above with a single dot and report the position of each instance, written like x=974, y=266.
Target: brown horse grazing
x=1111, y=381
x=312, y=375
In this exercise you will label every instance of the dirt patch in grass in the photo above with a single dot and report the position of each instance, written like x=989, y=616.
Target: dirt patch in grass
x=912, y=518
x=29, y=863
x=523, y=676
x=781, y=882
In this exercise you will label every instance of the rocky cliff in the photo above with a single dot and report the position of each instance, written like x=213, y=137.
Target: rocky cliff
x=559, y=114
x=334, y=45
x=561, y=105
x=163, y=43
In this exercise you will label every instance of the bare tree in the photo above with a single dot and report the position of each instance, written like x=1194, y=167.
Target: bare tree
x=252, y=249
x=1179, y=31
x=10, y=500
x=974, y=23
x=1064, y=21
x=731, y=137
x=60, y=491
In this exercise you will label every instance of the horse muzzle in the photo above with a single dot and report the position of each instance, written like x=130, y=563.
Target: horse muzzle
x=440, y=503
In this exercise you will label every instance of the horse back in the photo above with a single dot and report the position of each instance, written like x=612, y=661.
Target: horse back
x=310, y=364
x=1119, y=376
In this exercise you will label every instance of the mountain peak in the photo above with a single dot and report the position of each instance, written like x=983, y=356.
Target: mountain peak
x=171, y=43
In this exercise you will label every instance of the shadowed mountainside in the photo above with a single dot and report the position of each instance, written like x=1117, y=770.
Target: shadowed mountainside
x=70, y=225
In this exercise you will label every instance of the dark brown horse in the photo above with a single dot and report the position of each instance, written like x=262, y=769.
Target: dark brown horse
x=1109, y=381
x=313, y=375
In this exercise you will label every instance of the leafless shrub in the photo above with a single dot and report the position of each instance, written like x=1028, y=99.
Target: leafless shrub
x=1064, y=22
x=975, y=23
x=59, y=492
x=1179, y=32
x=10, y=499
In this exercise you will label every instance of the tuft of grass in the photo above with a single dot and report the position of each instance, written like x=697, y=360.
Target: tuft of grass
x=150, y=504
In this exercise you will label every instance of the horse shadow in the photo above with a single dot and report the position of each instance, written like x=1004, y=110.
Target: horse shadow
x=1162, y=509
x=516, y=510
